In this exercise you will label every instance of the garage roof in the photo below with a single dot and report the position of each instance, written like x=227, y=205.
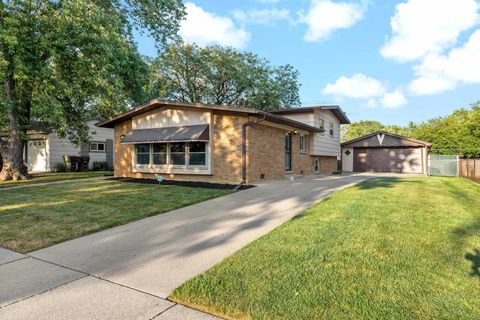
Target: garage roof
x=384, y=139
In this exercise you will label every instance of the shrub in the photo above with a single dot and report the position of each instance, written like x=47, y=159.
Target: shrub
x=100, y=166
x=60, y=167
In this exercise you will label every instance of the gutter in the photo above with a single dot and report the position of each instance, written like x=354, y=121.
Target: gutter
x=244, y=148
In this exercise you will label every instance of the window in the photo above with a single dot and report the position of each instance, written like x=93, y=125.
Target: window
x=302, y=144
x=177, y=153
x=321, y=123
x=143, y=153
x=97, y=146
x=159, y=153
x=197, y=154
x=330, y=129
x=182, y=154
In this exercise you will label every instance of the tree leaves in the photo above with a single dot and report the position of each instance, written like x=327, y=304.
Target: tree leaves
x=223, y=75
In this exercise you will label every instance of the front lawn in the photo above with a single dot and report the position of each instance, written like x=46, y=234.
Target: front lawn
x=388, y=248
x=33, y=218
x=53, y=177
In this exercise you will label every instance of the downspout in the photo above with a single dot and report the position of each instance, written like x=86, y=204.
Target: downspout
x=244, y=148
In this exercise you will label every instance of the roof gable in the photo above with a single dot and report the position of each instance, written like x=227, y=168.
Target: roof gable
x=385, y=139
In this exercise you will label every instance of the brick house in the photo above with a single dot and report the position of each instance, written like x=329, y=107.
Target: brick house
x=211, y=143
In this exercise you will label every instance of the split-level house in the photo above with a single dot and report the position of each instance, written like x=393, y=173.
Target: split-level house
x=212, y=143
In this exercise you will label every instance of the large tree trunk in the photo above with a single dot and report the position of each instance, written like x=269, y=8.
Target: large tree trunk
x=13, y=165
x=18, y=119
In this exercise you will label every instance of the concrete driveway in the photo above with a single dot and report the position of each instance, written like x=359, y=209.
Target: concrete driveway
x=128, y=272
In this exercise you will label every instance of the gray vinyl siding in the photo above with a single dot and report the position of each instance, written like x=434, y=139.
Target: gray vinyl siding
x=324, y=144
x=60, y=147
x=98, y=135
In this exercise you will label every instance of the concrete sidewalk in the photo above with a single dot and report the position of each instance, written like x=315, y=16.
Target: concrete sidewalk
x=129, y=271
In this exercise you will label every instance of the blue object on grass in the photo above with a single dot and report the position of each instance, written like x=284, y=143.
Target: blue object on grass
x=159, y=179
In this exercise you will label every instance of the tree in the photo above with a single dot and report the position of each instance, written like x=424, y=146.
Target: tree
x=223, y=75
x=61, y=61
x=457, y=133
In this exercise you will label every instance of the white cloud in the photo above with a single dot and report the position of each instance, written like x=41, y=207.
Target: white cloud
x=325, y=16
x=438, y=73
x=421, y=27
x=371, y=103
x=263, y=16
x=358, y=86
x=393, y=99
x=206, y=28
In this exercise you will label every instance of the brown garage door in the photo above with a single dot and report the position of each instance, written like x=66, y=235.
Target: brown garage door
x=398, y=160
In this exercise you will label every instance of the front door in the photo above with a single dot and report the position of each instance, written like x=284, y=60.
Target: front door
x=288, y=151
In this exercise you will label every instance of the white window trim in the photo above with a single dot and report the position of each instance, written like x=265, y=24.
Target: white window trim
x=321, y=127
x=303, y=149
x=331, y=129
x=97, y=143
x=173, y=169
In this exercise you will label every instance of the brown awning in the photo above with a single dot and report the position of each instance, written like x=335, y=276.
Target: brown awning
x=170, y=134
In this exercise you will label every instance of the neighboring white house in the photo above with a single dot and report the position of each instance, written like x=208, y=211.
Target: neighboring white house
x=45, y=150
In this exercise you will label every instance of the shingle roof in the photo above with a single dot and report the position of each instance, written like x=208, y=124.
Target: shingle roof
x=336, y=110
x=169, y=134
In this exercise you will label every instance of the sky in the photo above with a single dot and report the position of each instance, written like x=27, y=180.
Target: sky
x=384, y=60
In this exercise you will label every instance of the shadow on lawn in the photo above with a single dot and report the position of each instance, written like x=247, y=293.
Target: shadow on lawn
x=474, y=258
x=381, y=182
x=459, y=236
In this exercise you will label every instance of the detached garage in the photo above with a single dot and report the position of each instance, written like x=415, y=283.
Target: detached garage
x=385, y=152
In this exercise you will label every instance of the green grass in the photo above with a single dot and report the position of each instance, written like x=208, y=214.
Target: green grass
x=52, y=177
x=388, y=248
x=33, y=218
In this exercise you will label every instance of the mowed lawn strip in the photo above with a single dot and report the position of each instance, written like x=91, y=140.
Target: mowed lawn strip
x=389, y=248
x=33, y=218
x=36, y=178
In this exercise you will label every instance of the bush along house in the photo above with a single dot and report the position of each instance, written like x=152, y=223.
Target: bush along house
x=223, y=144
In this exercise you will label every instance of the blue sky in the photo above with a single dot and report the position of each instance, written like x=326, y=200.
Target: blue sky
x=391, y=61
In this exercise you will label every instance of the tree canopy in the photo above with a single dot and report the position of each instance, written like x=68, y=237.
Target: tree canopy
x=62, y=61
x=223, y=75
x=457, y=133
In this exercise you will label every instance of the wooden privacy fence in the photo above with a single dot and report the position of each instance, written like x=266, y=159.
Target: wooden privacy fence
x=469, y=168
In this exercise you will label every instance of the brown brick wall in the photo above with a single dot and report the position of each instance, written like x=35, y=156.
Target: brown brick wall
x=265, y=154
x=328, y=165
